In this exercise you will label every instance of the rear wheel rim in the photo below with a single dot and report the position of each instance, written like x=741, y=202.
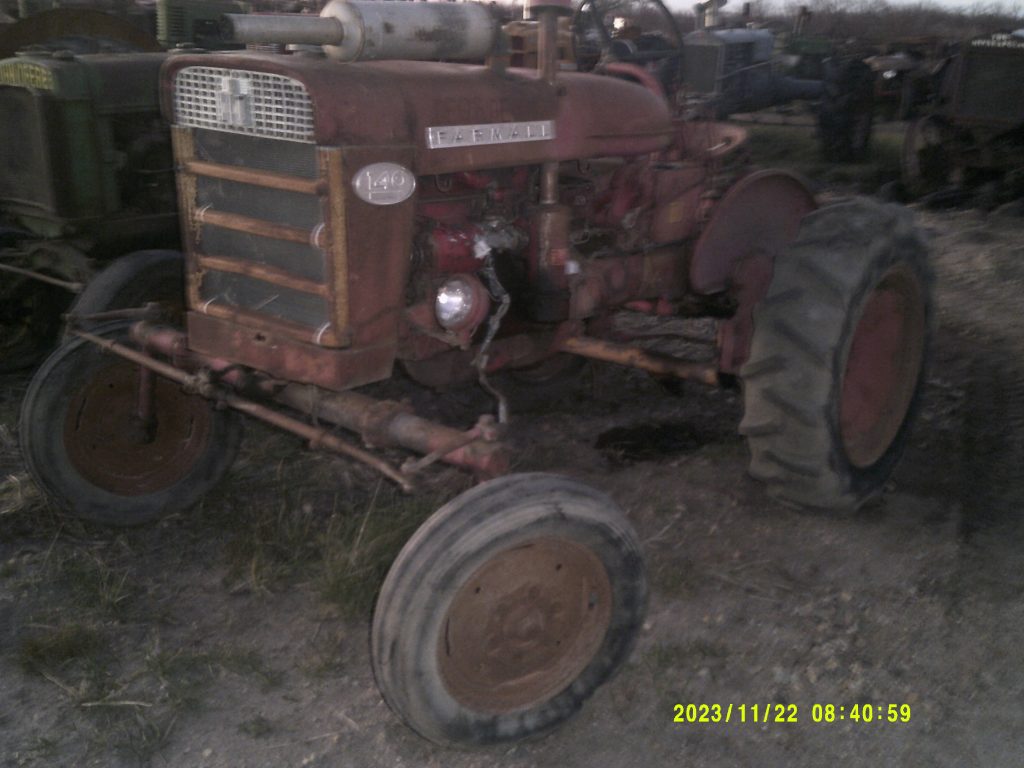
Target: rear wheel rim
x=524, y=625
x=108, y=445
x=882, y=366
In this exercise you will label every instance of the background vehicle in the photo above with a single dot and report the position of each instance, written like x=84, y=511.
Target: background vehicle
x=86, y=175
x=972, y=133
x=720, y=71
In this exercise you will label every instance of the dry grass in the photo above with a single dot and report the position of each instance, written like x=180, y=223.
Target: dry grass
x=49, y=648
x=796, y=147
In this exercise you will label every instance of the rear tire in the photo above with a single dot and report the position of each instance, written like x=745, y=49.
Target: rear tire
x=83, y=446
x=838, y=356
x=507, y=609
x=134, y=279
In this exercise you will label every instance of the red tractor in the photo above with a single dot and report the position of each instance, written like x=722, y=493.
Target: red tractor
x=345, y=209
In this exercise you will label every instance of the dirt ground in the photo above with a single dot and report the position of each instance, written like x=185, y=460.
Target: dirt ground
x=236, y=634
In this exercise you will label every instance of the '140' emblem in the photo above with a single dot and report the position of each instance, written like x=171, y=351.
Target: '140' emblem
x=384, y=183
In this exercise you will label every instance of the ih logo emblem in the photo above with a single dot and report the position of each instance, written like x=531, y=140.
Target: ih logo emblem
x=234, y=105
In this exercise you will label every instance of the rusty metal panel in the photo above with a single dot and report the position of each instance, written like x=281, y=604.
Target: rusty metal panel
x=183, y=143
x=25, y=175
x=378, y=242
x=264, y=348
x=592, y=115
x=335, y=222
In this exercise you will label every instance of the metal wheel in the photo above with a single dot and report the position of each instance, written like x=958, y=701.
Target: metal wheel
x=883, y=366
x=507, y=609
x=115, y=445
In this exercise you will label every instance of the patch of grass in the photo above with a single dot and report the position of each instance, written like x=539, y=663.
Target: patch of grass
x=43, y=748
x=676, y=656
x=257, y=727
x=18, y=495
x=184, y=675
x=98, y=585
x=136, y=734
x=272, y=545
x=326, y=657
x=247, y=663
x=797, y=148
x=358, y=548
x=51, y=648
x=676, y=578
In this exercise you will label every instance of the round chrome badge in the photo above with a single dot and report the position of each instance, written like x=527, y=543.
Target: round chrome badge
x=384, y=183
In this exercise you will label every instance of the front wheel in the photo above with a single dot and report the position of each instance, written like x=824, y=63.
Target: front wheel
x=507, y=609
x=87, y=445
x=133, y=280
x=838, y=354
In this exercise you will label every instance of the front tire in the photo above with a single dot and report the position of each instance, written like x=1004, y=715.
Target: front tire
x=838, y=356
x=134, y=279
x=84, y=445
x=507, y=609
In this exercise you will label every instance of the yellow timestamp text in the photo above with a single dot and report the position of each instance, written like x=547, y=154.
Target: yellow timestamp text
x=790, y=713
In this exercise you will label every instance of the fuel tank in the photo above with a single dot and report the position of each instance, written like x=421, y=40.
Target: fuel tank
x=454, y=116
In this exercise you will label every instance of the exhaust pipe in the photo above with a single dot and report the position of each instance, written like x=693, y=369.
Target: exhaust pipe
x=369, y=30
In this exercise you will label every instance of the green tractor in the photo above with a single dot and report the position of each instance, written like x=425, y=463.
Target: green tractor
x=86, y=176
x=86, y=169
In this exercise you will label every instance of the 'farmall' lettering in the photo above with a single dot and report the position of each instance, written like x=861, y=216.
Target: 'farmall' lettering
x=449, y=136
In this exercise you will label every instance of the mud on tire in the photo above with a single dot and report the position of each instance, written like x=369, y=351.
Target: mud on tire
x=507, y=609
x=838, y=356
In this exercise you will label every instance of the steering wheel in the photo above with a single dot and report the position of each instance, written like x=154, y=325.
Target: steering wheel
x=592, y=40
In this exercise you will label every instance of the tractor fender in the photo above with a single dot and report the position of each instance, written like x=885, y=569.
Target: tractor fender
x=760, y=212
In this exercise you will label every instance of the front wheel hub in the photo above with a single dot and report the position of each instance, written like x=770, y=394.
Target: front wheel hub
x=524, y=626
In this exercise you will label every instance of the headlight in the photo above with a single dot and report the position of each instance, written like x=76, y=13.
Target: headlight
x=889, y=74
x=461, y=303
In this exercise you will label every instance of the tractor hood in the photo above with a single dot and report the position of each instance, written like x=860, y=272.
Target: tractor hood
x=455, y=116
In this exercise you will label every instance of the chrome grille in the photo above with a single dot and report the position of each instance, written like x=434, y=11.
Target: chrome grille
x=242, y=101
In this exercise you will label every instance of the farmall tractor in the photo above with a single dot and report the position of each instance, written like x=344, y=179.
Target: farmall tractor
x=361, y=207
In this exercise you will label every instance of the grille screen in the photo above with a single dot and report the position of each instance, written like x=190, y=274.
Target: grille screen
x=241, y=101
x=265, y=298
x=276, y=205
x=702, y=66
x=24, y=175
x=299, y=259
x=256, y=153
